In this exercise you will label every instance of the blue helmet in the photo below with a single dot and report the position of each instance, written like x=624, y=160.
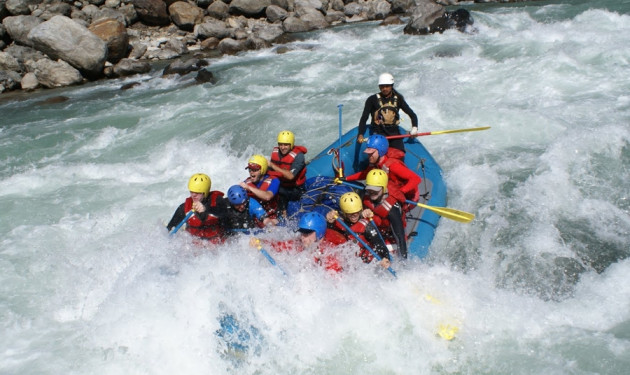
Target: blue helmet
x=236, y=194
x=379, y=142
x=313, y=221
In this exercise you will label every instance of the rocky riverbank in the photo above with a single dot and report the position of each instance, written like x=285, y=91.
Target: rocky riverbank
x=56, y=43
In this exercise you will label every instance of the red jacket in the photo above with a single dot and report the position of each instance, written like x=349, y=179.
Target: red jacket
x=285, y=163
x=210, y=228
x=271, y=206
x=400, y=178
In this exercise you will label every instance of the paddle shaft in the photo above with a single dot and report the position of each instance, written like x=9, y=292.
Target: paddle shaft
x=437, y=132
x=270, y=259
x=340, y=106
x=188, y=215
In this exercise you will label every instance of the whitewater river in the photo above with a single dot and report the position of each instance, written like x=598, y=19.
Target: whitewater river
x=538, y=283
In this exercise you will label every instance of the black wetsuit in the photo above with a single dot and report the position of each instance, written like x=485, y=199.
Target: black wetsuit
x=372, y=105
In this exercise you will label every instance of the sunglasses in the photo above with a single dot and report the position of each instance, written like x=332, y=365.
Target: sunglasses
x=253, y=167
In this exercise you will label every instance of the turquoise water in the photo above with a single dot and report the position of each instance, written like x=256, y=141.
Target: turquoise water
x=90, y=282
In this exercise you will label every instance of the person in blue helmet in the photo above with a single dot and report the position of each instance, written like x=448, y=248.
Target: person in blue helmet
x=384, y=108
x=315, y=237
x=243, y=213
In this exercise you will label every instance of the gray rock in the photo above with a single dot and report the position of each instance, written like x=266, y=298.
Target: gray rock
x=275, y=13
x=18, y=28
x=183, y=67
x=268, y=33
x=231, y=46
x=19, y=7
x=185, y=15
x=175, y=45
x=315, y=20
x=56, y=73
x=378, y=10
x=127, y=67
x=131, y=16
x=110, y=13
x=29, y=82
x=152, y=12
x=9, y=80
x=212, y=28
x=9, y=62
x=137, y=50
x=353, y=9
x=336, y=5
x=249, y=8
x=62, y=38
x=295, y=25
x=55, y=9
x=24, y=53
x=218, y=10
x=335, y=17
x=204, y=75
x=422, y=16
x=402, y=6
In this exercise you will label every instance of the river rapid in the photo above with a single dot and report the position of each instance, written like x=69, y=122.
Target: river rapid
x=90, y=283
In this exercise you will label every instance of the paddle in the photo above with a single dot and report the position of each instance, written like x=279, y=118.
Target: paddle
x=174, y=230
x=438, y=132
x=449, y=213
x=269, y=258
x=340, y=221
x=340, y=106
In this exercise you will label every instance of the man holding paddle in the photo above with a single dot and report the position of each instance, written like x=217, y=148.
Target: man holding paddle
x=384, y=107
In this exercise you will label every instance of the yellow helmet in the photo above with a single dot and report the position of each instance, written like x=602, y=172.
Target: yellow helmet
x=377, y=177
x=200, y=183
x=286, y=136
x=258, y=160
x=350, y=203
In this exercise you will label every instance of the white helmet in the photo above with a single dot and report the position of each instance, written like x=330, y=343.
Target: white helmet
x=385, y=79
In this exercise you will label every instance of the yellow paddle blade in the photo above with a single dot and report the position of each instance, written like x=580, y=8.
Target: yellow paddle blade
x=449, y=213
x=432, y=299
x=447, y=331
x=460, y=130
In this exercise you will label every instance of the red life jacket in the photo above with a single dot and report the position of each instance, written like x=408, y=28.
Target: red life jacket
x=209, y=228
x=401, y=178
x=285, y=163
x=270, y=206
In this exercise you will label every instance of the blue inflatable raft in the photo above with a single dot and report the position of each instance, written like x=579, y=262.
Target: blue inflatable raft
x=321, y=194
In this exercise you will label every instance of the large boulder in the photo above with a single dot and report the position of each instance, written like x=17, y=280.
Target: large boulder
x=249, y=8
x=55, y=73
x=19, y=7
x=18, y=28
x=10, y=62
x=152, y=12
x=126, y=67
x=422, y=16
x=114, y=33
x=62, y=38
x=218, y=10
x=185, y=15
x=212, y=28
x=9, y=80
